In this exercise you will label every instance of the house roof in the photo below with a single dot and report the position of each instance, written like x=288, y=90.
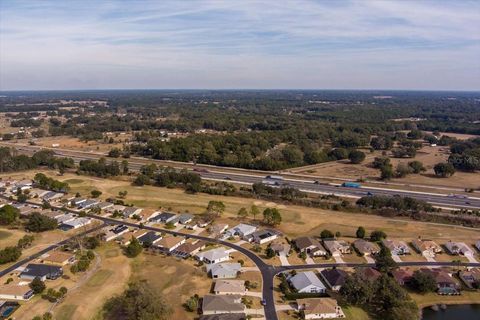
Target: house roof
x=392, y=244
x=39, y=270
x=15, y=290
x=169, y=242
x=425, y=244
x=235, y=286
x=365, y=246
x=59, y=256
x=214, y=254
x=402, y=275
x=190, y=247
x=368, y=273
x=149, y=237
x=335, y=277
x=305, y=242
x=225, y=267
x=318, y=305
x=226, y=303
x=224, y=316
x=243, y=228
x=280, y=247
x=334, y=245
x=131, y=210
x=304, y=279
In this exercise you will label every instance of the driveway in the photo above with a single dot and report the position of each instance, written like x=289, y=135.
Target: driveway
x=396, y=258
x=283, y=259
x=338, y=259
x=255, y=312
x=254, y=294
x=246, y=269
x=286, y=307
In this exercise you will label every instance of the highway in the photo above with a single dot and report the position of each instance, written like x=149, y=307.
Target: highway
x=243, y=176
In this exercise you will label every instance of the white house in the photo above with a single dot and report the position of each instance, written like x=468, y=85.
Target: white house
x=396, y=247
x=242, y=230
x=213, y=256
x=16, y=292
x=458, y=248
x=263, y=236
x=307, y=282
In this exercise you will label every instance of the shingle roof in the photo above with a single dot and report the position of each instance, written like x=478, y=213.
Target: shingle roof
x=304, y=279
x=219, y=303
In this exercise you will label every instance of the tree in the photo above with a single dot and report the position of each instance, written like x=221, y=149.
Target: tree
x=403, y=170
x=8, y=214
x=357, y=291
x=269, y=252
x=356, y=156
x=360, y=232
x=326, y=234
x=416, y=166
x=141, y=180
x=10, y=254
x=37, y=222
x=140, y=301
x=134, y=248
x=377, y=235
x=124, y=167
x=96, y=193
x=242, y=213
x=272, y=216
x=386, y=172
x=423, y=282
x=384, y=261
x=444, y=170
x=122, y=194
x=254, y=211
x=192, y=303
x=37, y=285
x=215, y=208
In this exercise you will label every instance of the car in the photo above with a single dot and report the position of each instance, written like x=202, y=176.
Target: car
x=227, y=178
x=263, y=302
x=316, y=182
x=369, y=193
x=467, y=202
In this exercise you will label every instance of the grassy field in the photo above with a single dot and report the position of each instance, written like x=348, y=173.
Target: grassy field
x=467, y=297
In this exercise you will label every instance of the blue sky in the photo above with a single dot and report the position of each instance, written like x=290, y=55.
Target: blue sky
x=240, y=44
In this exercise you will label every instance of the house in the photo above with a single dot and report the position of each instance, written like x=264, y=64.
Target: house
x=115, y=208
x=75, y=223
x=337, y=247
x=224, y=316
x=164, y=217
x=75, y=202
x=320, y=308
x=307, y=282
x=115, y=232
x=60, y=258
x=310, y=246
x=396, y=247
x=202, y=223
x=87, y=204
x=149, y=238
x=217, y=229
x=131, y=211
x=446, y=285
x=53, y=214
x=365, y=247
x=169, y=244
x=190, y=248
x=229, y=287
x=368, y=274
x=16, y=292
x=456, y=248
x=334, y=278
x=281, y=248
x=51, y=196
x=226, y=270
x=65, y=218
x=146, y=215
x=471, y=278
x=242, y=230
x=477, y=244
x=427, y=248
x=213, y=256
x=219, y=304
x=104, y=205
x=38, y=193
x=185, y=218
x=263, y=236
x=42, y=271
x=403, y=276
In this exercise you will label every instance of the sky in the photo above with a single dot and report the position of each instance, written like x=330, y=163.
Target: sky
x=239, y=44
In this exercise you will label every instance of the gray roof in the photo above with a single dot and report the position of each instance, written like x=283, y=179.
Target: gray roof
x=304, y=279
x=224, y=268
x=226, y=303
x=40, y=270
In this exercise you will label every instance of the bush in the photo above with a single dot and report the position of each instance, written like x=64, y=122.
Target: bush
x=39, y=223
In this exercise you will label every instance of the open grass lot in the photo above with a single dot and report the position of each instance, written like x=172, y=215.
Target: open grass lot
x=467, y=297
x=10, y=237
x=66, y=142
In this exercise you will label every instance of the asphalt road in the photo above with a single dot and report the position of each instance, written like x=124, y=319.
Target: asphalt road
x=47, y=249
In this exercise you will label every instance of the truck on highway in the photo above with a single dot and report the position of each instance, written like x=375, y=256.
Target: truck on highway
x=351, y=185
x=272, y=180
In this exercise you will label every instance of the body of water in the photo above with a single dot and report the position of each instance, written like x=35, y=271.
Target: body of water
x=453, y=312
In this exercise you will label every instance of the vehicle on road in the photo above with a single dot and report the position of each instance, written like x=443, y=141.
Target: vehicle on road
x=369, y=193
x=274, y=177
x=351, y=185
x=200, y=170
x=263, y=302
x=227, y=178
x=459, y=196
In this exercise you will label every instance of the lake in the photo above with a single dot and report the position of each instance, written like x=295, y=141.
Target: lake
x=453, y=312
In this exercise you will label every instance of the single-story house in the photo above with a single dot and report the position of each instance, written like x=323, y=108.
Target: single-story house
x=219, y=304
x=146, y=215
x=185, y=218
x=65, y=218
x=59, y=258
x=52, y=195
x=396, y=247
x=307, y=282
x=368, y=274
x=427, y=248
x=213, y=256
x=446, y=284
x=42, y=271
x=223, y=286
x=202, y=223
x=403, y=276
x=89, y=203
x=217, y=229
x=227, y=270
x=75, y=223
x=131, y=211
x=242, y=230
x=115, y=232
x=190, y=248
x=337, y=247
x=263, y=236
x=104, y=205
x=149, y=238
x=75, y=202
x=365, y=247
x=471, y=278
x=334, y=278
x=281, y=248
x=164, y=217
x=310, y=246
x=16, y=292
x=115, y=208
x=224, y=316
x=38, y=193
x=462, y=248
x=170, y=243
x=320, y=308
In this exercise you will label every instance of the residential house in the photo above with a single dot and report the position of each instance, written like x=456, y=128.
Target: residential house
x=229, y=287
x=471, y=278
x=227, y=270
x=146, y=216
x=149, y=238
x=169, y=244
x=115, y=208
x=281, y=248
x=190, y=248
x=131, y=211
x=446, y=285
x=263, y=236
x=113, y=233
x=60, y=258
x=365, y=247
x=307, y=282
x=37, y=193
x=242, y=230
x=337, y=247
x=427, y=248
x=368, y=274
x=320, y=308
x=310, y=246
x=75, y=223
x=87, y=204
x=104, y=205
x=220, y=304
x=164, y=217
x=42, y=271
x=213, y=256
x=202, y=223
x=403, y=276
x=334, y=278
x=52, y=196
x=396, y=247
x=456, y=248
x=75, y=202
x=16, y=292
x=185, y=218
x=224, y=316
x=217, y=229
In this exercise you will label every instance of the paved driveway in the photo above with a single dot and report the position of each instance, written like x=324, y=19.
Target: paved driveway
x=283, y=259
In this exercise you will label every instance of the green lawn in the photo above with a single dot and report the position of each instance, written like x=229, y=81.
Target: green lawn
x=355, y=313
x=99, y=278
x=66, y=312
